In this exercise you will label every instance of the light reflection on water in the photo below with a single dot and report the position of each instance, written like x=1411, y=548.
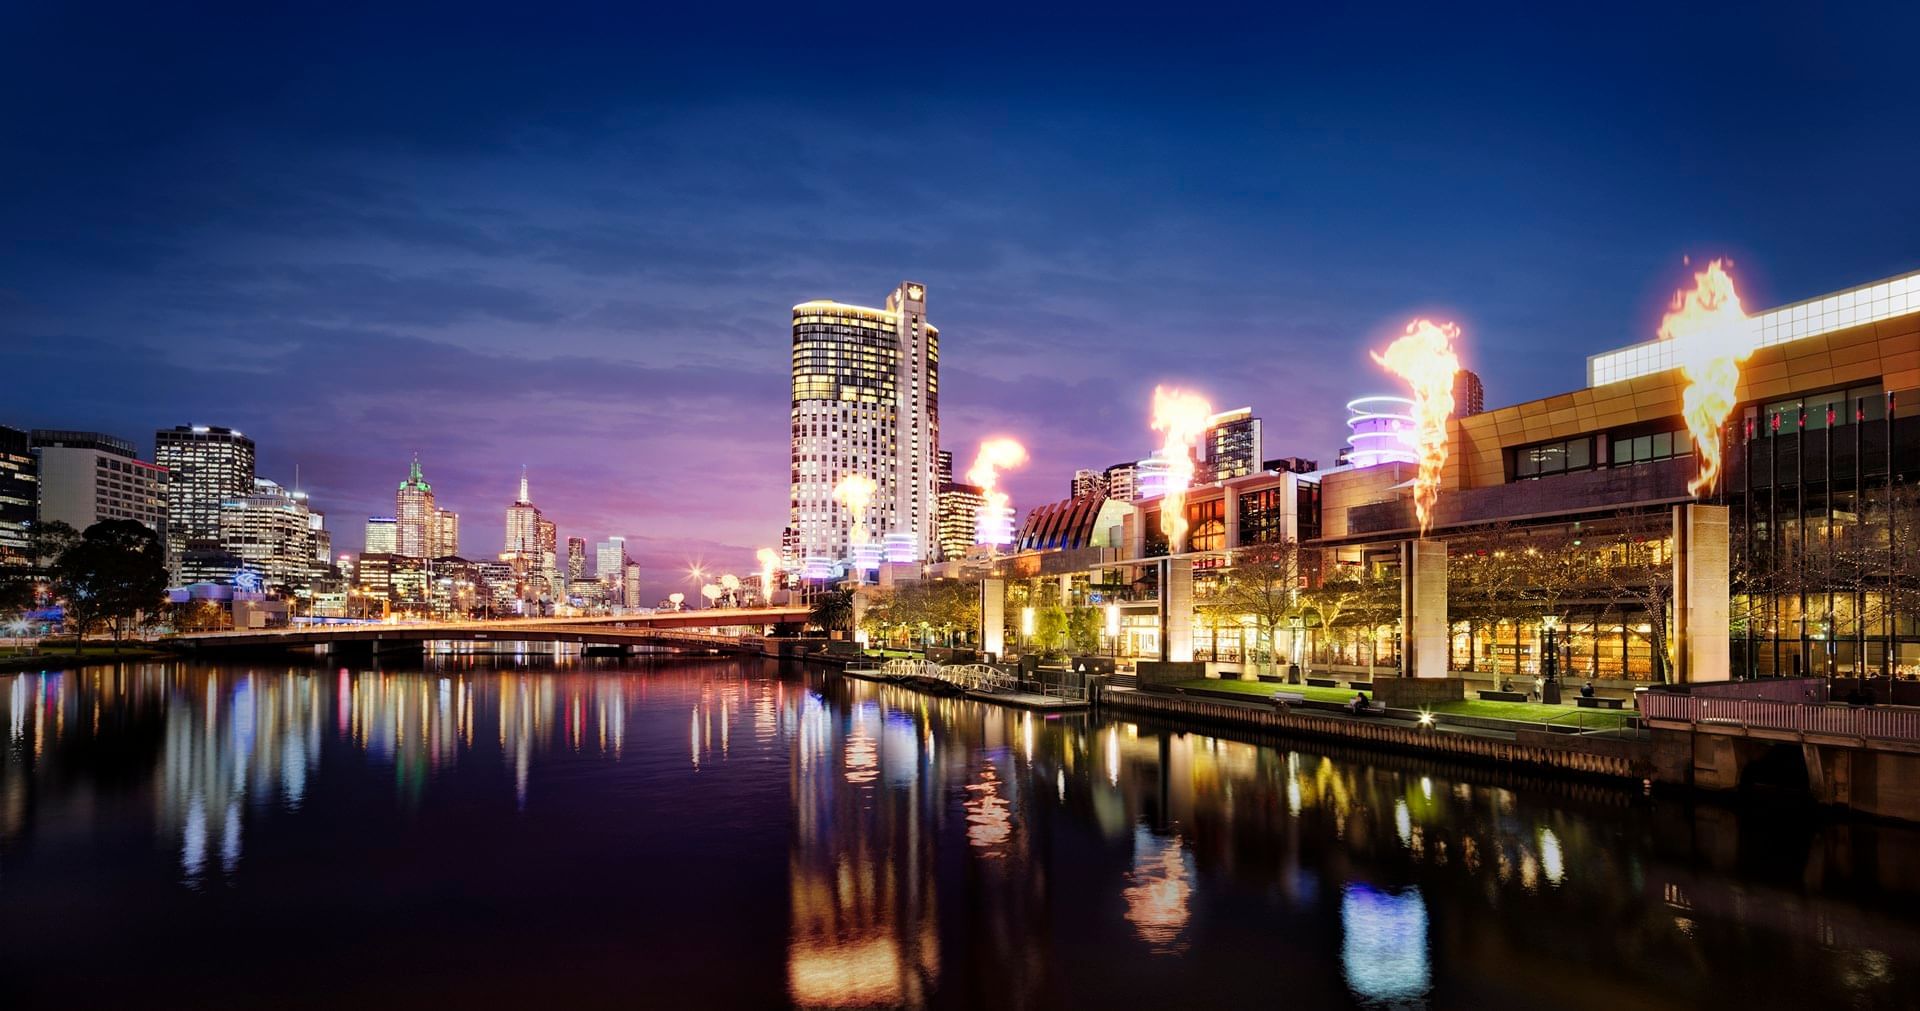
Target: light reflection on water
x=864, y=845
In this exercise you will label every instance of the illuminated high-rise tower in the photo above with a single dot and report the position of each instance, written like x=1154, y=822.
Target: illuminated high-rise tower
x=866, y=400
x=523, y=526
x=416, y=525
x=206, y=465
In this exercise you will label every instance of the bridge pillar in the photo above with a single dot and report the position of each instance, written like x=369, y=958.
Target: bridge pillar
x=993, y=616
x=1176, y=610
x=1423, y=607
x=1701, y=594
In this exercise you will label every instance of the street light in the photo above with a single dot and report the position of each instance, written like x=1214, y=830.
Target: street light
x=697, y=575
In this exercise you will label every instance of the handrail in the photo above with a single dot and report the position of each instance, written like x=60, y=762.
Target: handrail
x=1890, y=723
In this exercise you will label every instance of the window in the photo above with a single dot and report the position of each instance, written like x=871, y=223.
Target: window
x=1548, y=458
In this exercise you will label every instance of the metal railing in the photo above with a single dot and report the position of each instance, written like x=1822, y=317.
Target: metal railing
x=1889, y=723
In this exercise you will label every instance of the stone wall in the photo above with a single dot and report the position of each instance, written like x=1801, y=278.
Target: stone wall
x=1412, y=693
x=1158, y=672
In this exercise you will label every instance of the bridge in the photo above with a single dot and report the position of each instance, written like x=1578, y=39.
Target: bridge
x=678, y=629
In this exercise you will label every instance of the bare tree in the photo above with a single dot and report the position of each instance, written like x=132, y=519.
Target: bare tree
x=1262, y=583
x=1636, y=578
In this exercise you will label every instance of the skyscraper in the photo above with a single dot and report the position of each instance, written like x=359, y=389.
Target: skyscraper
x=86, y=477
x=630, y=585
x=523, y=525
x=417, y=527
x=271, y=533
x=576, y=558
x=1469, y=396
x=1229, y=448
x=206, y=465
x=943, y=466
x=19, y=490
x=1122, y=483
x=959, y=515
x=610, y=560
x=448, y=541
x=866, y=400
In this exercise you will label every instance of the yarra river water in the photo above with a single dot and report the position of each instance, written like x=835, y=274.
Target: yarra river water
x=500, y=831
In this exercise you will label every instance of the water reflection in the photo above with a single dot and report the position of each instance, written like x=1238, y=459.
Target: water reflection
x=938, y=851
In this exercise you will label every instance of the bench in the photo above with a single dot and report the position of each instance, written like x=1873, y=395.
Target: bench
x=1323, y=682
x=1284, y=699
x=1364, y=686
x=1594, y=702
x=1487, y=695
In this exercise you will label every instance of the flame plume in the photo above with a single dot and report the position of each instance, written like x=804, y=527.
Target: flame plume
x=854, y=493
x=1711, y=336
x=995, y=522
x=769, y=559
x=1425, y=358
x=1181, y=418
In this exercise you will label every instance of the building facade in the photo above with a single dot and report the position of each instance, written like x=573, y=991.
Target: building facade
x=19, y=493
x=866, y=401
x=1088, y=482
x=383, y=537
x=1230, y=447
x=1469, y=394
x=576, y=559
x=206, y=465
x=270, y=533
x=86, y=477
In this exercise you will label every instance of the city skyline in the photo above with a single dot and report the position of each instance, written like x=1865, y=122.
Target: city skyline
x=381, y=277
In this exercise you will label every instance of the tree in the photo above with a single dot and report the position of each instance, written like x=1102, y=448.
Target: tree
x=1261, y=583
x=1335, y=595
x=833, y=612
x=1636, y=579
x=1376, y=605
x=47, y=540
x=113, y=574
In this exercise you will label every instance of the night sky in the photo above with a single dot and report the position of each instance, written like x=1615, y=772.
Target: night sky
x=570, y=238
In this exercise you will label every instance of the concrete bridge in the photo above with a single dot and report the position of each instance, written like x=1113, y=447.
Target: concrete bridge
x=679, y=629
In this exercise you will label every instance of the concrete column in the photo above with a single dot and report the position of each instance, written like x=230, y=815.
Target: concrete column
x=1423, y=607
x=1066, y=591
x=1702, y=592
x=1176, y=610
x=993, y=616
x=1231, y=504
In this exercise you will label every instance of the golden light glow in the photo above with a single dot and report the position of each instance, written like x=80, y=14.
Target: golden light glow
x=769, y=559
x=1425, y=358
x=855, y=493
x=1181, y=418
x=995, y=525
x=1711, y=336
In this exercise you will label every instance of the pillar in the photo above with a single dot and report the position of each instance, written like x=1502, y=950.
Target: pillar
x=993, y=616
x=1423, y=607
x=1176, y=609
x=1702, y=592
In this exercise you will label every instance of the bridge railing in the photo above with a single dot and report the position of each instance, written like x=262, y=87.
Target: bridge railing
x=1889, y=723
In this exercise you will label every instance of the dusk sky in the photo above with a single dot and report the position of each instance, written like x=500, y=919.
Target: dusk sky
x=570, y=238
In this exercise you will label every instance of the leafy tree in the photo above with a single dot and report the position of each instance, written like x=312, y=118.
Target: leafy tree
x=113, y=574
x=47, y=540
x=1636, y=579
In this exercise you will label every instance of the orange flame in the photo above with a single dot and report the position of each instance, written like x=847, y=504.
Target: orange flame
x=996, y=515
x=1181, y=418
x=769, y=560
x=1711, y=336
x=855, y=493
x=1425, y=358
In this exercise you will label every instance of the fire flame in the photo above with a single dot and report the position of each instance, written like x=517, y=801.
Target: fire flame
x=855, y=492
x=769, y=560
x=1181, y=418
x=995, y=522
x=1425, y=358
x=1711, y=336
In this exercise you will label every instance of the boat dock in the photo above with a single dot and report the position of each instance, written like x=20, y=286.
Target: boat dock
x=973, y=681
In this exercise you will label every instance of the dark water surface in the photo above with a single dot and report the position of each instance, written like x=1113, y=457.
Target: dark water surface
x=500, y=832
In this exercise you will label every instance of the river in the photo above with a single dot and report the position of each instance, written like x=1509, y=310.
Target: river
x=501, y=830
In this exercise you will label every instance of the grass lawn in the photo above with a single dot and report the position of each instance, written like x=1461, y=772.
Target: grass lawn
x=1523, y=712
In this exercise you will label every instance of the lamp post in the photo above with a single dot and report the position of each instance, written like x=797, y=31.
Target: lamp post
x=1550, y=659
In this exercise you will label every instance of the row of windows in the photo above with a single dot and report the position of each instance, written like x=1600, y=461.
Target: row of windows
x=1819, y=411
